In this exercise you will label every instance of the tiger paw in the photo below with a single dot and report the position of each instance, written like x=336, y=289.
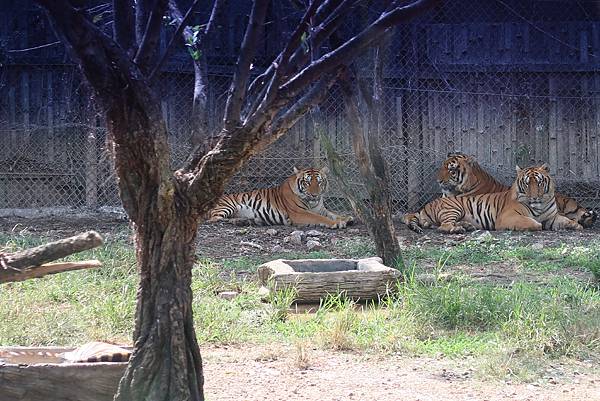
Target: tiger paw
x=349, y=220
x=338, y=224
x=452, y=229
x=458, y=230
x=415, y=228
x=588, y=218
x=466, y=225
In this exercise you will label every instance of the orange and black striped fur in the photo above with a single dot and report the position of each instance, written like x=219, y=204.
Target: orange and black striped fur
x=529, y=205
x=297, y=201
x=461, y=175
x=94, y=351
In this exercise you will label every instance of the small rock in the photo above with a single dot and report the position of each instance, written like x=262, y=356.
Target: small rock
x=271, y=232
x=263, y=292
x=313, y=245
x=228, y=295
x=314, y=233
x=240, y=222
x=296, y=237
x=353, y=231
x=286, y=239
x=252, y=244
x=277, y=249
x=538, y=246
x=484, y=237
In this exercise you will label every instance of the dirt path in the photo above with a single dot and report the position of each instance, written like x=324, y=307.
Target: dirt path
x=259, y=374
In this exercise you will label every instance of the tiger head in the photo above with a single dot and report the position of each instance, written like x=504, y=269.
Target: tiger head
x=309, y=184
x=534, y=187
x=455, y=173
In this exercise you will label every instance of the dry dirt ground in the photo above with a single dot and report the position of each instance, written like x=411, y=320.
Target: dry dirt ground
x=287, y=373
x=277, y=373
x=226, y=240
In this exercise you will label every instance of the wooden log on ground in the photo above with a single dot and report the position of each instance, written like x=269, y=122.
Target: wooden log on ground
x=10, y=275
x=30, y=263
x=74, y=382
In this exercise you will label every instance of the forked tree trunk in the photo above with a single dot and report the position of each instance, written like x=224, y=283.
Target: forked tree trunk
x=165, y=337
x=166, y=363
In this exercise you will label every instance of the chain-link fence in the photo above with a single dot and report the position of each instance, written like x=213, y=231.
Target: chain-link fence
x=508, y=81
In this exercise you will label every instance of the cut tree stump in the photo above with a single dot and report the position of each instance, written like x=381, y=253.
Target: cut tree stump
x=33, y=263
x=314, y=279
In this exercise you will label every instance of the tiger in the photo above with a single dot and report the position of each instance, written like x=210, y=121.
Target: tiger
x=94, y=351
x=529, y=205
x=297, y=201
x=461, y=175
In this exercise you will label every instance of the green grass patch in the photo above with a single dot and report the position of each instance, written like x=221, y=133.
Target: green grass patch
x=511, y=330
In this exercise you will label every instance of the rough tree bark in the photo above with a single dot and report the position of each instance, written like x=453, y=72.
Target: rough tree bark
x=165, y=207
x=372, y=166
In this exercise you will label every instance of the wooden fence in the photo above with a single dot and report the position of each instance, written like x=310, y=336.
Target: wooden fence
x=480, y=80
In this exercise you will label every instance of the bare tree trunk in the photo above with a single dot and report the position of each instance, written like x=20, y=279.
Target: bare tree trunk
x=165, y=226
x=378, y=217
x=165, y=338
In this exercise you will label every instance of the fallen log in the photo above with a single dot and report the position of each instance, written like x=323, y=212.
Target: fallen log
x=33, y=263
x=45, y=269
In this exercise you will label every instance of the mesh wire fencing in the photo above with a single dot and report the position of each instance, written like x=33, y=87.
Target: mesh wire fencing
x=507, y=81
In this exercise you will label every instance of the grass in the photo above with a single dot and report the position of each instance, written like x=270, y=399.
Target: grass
x=511, y=330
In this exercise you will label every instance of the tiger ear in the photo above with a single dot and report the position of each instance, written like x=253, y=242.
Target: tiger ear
x=325, y=170
x=545, y=167
x=471, y=159
x=296, y=171
x=518, y=169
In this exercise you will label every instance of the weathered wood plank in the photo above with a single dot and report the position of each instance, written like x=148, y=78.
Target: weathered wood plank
x=60, y=381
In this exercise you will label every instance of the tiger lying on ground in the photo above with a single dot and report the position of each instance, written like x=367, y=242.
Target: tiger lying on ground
x=94, y=351
x=529, y=205
x=461, y=175
x=297, y=201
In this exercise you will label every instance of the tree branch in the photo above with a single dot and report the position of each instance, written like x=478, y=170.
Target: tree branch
x=281, y=63
x=142, y=13
x=357, y=44
x=123, y=24
x=182, y=24
x=199, y=118
x=206, y=182
x=148, y=45
x=237, y=90
x=141, y=149
x=282, y=124
x=300, y=56
x=19, y=261
x=46, y=269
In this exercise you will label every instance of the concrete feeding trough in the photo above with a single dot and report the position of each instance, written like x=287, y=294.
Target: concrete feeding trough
x=37, y=374
x=313, y=279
